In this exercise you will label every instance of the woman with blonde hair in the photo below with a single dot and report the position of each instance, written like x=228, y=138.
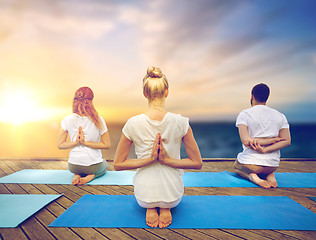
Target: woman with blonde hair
x=88, y=134
x=157, y=136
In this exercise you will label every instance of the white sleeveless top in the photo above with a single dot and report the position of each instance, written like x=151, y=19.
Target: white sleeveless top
x=157, y=182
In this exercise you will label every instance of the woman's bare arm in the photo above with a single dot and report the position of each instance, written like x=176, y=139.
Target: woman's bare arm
x=62, y=142
x=283, y=134
x=194, y=160
x=104, y=143
x=122, y=163
x=250, y=142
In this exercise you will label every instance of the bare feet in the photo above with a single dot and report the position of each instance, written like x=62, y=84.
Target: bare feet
x=75, y=180
x=152, y=217
x=271, y=180
x=255, y=179
x=86, y=179
x=165, y=217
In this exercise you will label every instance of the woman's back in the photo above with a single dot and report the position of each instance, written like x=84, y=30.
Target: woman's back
x=143, y=131
x=158, y=182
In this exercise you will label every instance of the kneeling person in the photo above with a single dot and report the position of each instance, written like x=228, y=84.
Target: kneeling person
x=263, y=132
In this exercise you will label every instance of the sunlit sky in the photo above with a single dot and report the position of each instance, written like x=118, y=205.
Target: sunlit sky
x=212, y=52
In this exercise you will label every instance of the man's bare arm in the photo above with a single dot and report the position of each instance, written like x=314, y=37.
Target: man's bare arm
x=283, y=134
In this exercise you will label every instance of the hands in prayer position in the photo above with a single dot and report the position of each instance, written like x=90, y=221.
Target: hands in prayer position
x=158, y=153
x=80, y=137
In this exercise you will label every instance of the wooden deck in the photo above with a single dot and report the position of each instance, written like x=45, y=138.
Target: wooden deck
x=36, y=226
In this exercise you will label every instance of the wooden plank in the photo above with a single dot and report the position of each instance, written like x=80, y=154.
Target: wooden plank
x=3, y=189
x=35, y=230
x=2, y=173
x=62, y=201
x=5, y=168
x=291, y=166
x=12, y=233
x=273, y=234
x=62, y=189
x=17, y=165
x=306, y=235
x=93, y=190
x=114, y=233
x=125, y=190
x=89, y=233
x=15, y=188
x=45, y=218
x=247, y=234
x=30, y=189
x=193, y=234
x=108, y=190
x=139, y=233
x=167, y=233
x=219, y=234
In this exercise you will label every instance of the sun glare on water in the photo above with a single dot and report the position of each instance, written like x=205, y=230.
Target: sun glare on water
x=19, y=106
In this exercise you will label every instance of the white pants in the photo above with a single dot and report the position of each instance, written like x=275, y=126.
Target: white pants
x=159, y=204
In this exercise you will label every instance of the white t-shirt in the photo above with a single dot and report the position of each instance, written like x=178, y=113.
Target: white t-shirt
x=82, y=155
x=157, y=182
x=262, y=122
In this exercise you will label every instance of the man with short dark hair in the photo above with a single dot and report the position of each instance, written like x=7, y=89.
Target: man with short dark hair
x=263, y=132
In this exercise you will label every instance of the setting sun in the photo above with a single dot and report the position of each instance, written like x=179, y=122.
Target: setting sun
x=19, y=106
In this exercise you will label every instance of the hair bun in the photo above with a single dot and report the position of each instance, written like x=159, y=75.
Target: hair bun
x=84, y=93
x=154, y=72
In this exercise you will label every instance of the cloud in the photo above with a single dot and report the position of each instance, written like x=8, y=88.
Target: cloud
x=209, y=50
x=57, y=19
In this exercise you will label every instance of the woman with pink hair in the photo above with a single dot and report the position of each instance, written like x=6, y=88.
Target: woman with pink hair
x=88, y=134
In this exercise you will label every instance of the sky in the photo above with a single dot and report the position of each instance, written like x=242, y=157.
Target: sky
x=211, y=51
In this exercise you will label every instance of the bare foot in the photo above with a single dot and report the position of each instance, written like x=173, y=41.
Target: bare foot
x=152, y=217
x=165, y=217
x=271, y=180
x=75, y=180
x=255, y=179
x=86, y=179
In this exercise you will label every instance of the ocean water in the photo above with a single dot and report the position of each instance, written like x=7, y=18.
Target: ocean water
x=221, y=140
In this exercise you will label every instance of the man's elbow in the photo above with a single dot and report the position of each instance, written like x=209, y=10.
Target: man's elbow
x=289, y=142
x=199, y=164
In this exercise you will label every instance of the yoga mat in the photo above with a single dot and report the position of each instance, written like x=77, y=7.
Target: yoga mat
x=229, y=179
x=219, y=212
x=14, y=209
x=190, y=179
x=43, y=176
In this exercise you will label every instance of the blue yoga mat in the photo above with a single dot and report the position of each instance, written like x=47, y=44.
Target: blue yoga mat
x=223, y=212
x=229, y=179
x=14, y=209
x=43, y=176
x=190, y=179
